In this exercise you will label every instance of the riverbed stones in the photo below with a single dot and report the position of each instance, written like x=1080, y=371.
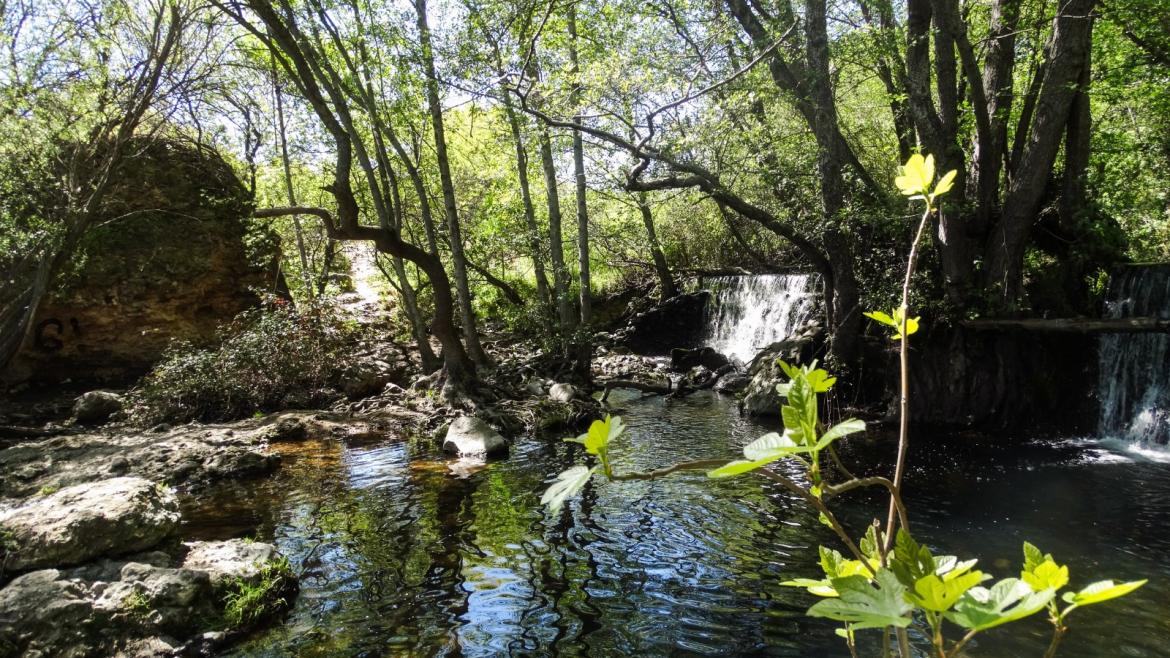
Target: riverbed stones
x=96, y=407
x=86, y=521
x=143, y=605
x=563, y=393
x=469, y=436
x=683, y=359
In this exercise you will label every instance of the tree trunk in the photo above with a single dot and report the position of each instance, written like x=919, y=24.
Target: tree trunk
x=306, y=274
x=665, y=280
x=556, y=238
x=1069, y=51
x=579, y=176
x=989, y=155
x=844, y=317
x=537, y=253
x=459, y=264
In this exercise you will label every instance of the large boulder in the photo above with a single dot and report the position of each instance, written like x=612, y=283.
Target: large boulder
x=96, y=407
x=78, y=523
x=760, y=397
x=182, y=258
x=87, y=521
x=469, y=436
x=231, y=560
x=676, y=322
x=683, y=358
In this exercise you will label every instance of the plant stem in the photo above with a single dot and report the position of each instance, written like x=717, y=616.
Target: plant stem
x=1058, y=632
x=904, y=357
x=697, y=465
x=895, y=494
x=963, y=642
x=823, y=509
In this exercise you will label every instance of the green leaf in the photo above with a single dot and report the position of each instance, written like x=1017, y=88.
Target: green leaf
x=944, y=184
x=773, y=446
x=737, y=467
x=938, y=594
x=865, y=605
x=822, y=588
x=843, y=428
x=567, y=484
x=1101, y=591
x=1046, y=575
x=1008, y=600
x=881, y=317
x=1033, y=556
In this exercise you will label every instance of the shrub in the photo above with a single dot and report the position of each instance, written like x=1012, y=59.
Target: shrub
x=269, y=358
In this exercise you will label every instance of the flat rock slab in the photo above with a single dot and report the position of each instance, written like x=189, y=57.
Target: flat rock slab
x=83, y=522
x=469, y=436
x=225, y=561
x=182, y=456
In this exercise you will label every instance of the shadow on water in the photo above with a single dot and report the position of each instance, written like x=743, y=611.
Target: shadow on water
x=400, y=556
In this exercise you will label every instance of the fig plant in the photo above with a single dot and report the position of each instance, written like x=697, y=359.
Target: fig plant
x=887, y=580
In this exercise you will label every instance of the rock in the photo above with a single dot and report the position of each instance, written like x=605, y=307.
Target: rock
x=470, y=436
x=683, y=359
x=562, y=393
x=153, y=276
x=534, y=387
x=676, y=322
x=363, y=379
x=732, y=384
x=83, y=522
x=96, y=407
x=190, y=455
x=144, y=606
x=760, y=397
x=234, y=559
x=698, y=377
x=285, y=429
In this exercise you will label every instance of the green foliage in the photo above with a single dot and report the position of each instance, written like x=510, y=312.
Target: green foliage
x=247, y=600
x=267, y=359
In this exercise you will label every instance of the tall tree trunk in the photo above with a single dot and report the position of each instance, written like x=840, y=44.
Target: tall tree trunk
x=306, y=274
x=1068, y=52
x=555, y=236
x=579, y=175
x=845, y=319
x=989, y=155
x=537, y=253
x=459, y=264
x=665, y=280
x=1077, y=149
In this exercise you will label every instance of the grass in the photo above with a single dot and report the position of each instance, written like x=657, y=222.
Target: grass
x=250, y=599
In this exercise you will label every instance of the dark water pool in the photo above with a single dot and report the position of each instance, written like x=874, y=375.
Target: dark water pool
x=399, y=557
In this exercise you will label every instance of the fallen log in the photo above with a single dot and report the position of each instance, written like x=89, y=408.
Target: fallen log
x=1073, y=325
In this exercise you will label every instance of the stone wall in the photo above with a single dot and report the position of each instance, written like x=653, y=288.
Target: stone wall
x=173, y=257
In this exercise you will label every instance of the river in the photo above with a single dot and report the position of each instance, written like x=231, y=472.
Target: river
x=401, y=557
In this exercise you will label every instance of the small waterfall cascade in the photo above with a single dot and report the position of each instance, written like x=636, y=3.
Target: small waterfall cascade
x=1134, y=369
x=748, y=313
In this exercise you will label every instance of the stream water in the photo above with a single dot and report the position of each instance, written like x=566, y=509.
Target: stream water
x=401, y=557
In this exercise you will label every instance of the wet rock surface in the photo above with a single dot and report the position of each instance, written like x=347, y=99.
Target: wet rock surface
x=469, y=436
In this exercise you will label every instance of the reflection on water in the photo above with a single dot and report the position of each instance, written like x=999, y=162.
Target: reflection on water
x=399, y=556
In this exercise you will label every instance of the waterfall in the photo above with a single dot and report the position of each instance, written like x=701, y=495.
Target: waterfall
x=1134, y=369
x=748, y=313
